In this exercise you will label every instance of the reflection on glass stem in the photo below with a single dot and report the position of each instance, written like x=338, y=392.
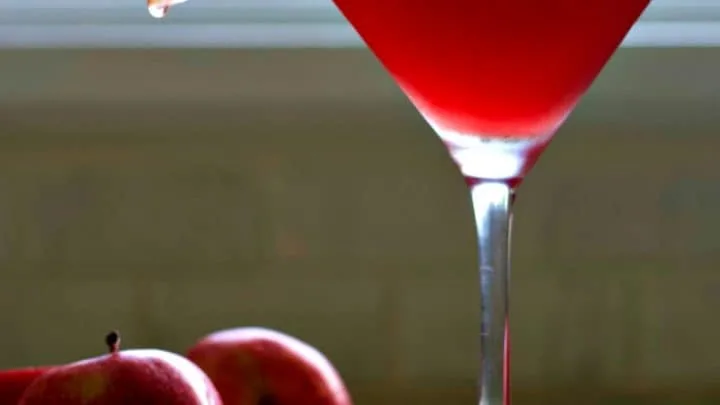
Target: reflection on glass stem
x=492, y=203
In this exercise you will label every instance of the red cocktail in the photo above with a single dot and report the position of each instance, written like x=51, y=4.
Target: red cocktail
x=495, y=79
x=505, y=71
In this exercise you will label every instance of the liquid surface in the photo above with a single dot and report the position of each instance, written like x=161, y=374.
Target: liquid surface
x=493, y=68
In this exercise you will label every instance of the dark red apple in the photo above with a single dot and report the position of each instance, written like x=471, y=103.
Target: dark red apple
x=129, y=377
x=257, y=366
x=13, y=382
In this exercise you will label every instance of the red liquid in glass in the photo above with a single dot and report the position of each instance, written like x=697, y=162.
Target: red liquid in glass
x=496, y=69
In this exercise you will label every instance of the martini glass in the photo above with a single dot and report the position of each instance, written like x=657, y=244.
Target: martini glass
x=494, y=79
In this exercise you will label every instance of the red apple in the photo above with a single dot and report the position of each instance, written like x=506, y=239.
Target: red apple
x=126, y=377
x=14, y=382
x=256, y=366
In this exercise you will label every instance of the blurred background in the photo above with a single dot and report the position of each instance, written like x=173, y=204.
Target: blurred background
x=284, y=181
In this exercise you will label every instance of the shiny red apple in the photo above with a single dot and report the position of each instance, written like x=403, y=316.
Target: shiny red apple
x=13, y=382
x=129, y=377
x=257, y=366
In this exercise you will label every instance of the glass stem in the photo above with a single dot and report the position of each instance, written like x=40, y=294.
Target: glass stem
x=492, y=204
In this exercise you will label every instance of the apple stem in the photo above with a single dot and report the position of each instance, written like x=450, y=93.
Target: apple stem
x=112, y=340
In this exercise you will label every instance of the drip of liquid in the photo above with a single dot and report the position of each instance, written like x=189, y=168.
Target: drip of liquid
x=160, y=8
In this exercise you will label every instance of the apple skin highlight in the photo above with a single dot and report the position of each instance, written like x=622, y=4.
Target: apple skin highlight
x=258, y=366
x=142, y=376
